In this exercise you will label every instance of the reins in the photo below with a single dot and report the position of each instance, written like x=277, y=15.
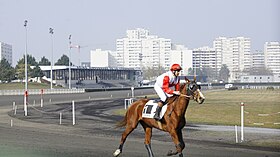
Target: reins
x=173, y=106
x=187, y=96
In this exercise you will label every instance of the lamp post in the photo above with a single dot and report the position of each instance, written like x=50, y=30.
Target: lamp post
x=26, y=76
x=69, y=62
x=51, y=32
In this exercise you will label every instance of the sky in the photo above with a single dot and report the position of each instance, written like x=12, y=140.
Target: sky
x=98, y=23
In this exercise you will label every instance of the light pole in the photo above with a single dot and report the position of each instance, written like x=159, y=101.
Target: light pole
x=26, y=76
x=51, y=32
x=69, y=62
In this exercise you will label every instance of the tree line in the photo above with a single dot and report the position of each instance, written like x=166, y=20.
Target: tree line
x=9, y=73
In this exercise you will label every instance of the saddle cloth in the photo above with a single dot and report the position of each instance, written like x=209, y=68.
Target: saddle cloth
x=150, y=109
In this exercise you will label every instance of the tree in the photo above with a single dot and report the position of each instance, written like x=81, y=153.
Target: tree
x=64, y=60
x=44, y=61
x=224, y=73
x=258, y=71
x=150, y=73
x=36, y=72
x=190, y=71
x=31, y=61
x=7, y=72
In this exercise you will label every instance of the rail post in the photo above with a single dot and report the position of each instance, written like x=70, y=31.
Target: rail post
x=132, y=92
x=242, y=121
x=73, y=112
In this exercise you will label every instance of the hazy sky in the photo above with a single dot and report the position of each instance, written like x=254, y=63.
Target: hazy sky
x=97, y=24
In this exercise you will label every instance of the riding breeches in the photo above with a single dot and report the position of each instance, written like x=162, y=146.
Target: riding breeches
x=162, y=95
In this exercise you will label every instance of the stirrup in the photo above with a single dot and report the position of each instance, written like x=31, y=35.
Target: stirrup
x=157, y=113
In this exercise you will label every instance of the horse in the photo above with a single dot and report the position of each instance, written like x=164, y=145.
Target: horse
x=172, y=122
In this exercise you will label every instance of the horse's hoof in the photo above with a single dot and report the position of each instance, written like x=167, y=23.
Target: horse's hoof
x=170, y=153
x=117, y=152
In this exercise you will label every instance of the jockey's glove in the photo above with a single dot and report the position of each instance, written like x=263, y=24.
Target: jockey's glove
x=176, y=92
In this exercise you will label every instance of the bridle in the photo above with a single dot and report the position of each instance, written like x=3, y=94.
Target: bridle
x=190, y=93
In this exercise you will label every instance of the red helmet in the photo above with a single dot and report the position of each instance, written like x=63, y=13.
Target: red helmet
x=175, y=67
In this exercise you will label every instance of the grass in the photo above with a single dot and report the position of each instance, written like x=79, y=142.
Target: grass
x=223, y=108
x=31, y=85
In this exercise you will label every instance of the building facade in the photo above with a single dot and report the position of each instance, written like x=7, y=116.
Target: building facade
x=102, y=58
x=6, y=51
x=257, y=59
x=235, y=53
x=139, y=49
x=205, y=57
x=272, y=57
x=181, y=55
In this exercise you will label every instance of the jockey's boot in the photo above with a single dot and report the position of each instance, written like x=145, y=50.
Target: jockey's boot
x=157, y=112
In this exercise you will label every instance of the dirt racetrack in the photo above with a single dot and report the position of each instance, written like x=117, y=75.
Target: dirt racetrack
x=94, y=135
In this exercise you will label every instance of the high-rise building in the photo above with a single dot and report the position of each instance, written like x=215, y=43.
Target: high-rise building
x=6, y=52
x=272, y=57
x=257, y=59
x=139, y=49
x=181, y=55
x=235, y=53
x=205, y=57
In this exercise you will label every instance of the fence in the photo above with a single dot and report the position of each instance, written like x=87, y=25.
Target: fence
x=39, y=91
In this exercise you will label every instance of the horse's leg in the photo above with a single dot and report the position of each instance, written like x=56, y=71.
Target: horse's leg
x=176, y=140
x=129, y=128
x=180, y=135
x=148, y=135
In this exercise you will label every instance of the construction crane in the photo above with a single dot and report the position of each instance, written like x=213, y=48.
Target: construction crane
x=79, y=49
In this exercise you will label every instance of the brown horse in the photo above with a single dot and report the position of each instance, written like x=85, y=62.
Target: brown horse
x=172, y=122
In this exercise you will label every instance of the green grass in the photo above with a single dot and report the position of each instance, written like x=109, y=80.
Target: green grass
x=223, y=108
x=31, y=85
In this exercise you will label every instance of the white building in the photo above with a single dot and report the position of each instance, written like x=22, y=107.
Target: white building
x=181, y=55
x=6, y=52
x=257, y=59
x=99, y=58
x=272, y=57
x=205, y=57
x=235, y=53
x=257, y=78
x=139, y=49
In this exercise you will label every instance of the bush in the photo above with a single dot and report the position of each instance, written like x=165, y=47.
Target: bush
x=270, y=88
x=233, y=88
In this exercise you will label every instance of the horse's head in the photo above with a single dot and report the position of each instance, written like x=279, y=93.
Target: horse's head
x=193, y=90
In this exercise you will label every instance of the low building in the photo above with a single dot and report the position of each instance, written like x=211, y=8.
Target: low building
x=257, y=78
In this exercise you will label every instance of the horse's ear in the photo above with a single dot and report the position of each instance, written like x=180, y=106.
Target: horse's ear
x=187, y=80
x=194, y=78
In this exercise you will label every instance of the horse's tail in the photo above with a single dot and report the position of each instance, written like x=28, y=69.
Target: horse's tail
x=123, y=122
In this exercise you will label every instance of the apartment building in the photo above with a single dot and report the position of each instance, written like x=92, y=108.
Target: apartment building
x=205, y=57
x=139, y=49
x=257, y=59
x=272, y=57
x=6, y=52
x=181, y=55
x=235, y=53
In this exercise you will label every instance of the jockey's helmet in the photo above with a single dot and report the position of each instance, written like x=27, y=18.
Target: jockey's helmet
x=176, y=67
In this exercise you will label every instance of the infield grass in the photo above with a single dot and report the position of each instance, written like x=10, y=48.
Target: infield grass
x=262, y=108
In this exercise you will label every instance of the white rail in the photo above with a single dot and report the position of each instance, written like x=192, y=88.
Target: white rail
x=38, y=91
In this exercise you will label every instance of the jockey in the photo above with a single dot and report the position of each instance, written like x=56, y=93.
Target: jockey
x=163, y=84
